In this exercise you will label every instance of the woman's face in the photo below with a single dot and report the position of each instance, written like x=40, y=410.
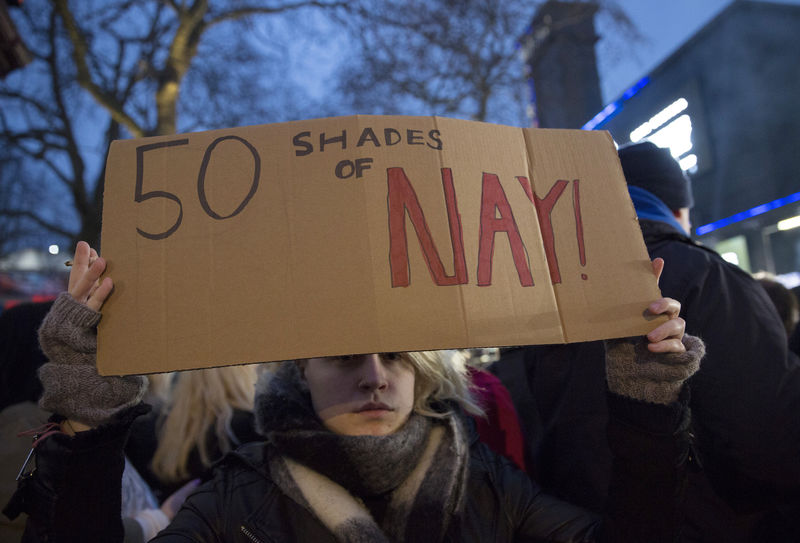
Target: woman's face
x=361, y=395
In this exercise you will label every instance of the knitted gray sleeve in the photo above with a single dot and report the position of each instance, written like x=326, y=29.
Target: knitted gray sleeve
x=635, y=372
x=72, y=386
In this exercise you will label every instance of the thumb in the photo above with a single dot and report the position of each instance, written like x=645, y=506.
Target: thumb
x=658, y=267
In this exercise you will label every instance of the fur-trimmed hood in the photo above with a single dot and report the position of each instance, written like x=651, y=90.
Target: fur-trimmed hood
x=283, y=401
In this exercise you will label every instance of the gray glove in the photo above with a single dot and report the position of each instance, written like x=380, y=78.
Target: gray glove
x=72, y=386
x=635, y=372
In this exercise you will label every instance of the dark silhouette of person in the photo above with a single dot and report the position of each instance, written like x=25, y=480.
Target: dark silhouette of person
x=20, y=355
x=745, y=399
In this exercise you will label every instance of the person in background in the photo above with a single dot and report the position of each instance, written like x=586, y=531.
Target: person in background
x=784, y=300
x=794, y=338
x=20, y=355
x=782, y=522
x=196, y=420
x=372, y=447
x=21, y=358
x=498, y=426
x=745, y=399
x=206, y=413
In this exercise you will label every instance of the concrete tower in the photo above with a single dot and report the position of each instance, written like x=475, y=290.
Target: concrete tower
x=559, y=54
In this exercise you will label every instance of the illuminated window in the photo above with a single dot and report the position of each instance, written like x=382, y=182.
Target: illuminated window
x=671, y=130
x=659, y=119
x=734, y=250
x=688, y=162
x=676, y=136
x=788, y=224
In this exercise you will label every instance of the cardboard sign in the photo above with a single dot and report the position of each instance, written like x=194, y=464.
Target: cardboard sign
x=364, y=234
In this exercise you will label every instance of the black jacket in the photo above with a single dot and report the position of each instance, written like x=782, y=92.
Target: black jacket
x=745, y=399
x=746, y=396
x=74, y=493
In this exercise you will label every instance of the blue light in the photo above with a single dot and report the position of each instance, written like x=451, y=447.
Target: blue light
x=628, y=94
x=614, y=107
x=609, y=111
x=752, y=212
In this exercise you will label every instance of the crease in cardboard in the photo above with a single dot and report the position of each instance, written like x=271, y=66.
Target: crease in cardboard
x=465, y=322
x=373, y=254
x=532, y=180
x=165, y=321
x=208, y=296
x=282, y=184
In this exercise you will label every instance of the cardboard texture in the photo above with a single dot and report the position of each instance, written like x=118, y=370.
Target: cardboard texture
x=364, y=234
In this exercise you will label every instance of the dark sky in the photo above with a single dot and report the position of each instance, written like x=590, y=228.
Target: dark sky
x=665, y=25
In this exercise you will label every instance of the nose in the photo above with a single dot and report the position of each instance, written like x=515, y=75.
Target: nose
x=373, y=373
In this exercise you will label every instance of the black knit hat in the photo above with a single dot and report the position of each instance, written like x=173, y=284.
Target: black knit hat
x=652, y=168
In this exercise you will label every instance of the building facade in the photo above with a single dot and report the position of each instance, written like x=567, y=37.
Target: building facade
x=727, y=104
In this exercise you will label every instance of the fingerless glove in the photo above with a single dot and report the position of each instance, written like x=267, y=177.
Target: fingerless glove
x=635, y=372
x=72, y=386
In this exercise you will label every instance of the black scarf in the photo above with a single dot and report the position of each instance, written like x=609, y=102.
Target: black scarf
x=417, y=474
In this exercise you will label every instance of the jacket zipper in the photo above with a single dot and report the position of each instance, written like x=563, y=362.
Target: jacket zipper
x=250, y=535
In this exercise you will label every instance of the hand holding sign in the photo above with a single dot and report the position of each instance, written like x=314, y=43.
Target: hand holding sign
x=68, y=337
x=668, y=336
x=84, y=277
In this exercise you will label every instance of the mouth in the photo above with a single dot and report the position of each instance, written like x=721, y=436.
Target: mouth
x=373, y=406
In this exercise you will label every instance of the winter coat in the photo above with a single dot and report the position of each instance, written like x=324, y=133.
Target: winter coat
x=745, y=400
x=78, y=479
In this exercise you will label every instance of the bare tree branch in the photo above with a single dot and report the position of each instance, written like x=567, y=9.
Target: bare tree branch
x=42, y=107
x=242, y=13
x=76, y=160
x=181, y=50
x=80, y=53
x=30, y=215
x=123, y=65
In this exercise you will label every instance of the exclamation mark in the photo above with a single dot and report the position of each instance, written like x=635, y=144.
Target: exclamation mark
x=576, y=202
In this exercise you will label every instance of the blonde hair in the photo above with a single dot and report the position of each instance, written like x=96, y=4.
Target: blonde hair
x=441, y=376
x=200, y=400
x=159, y=388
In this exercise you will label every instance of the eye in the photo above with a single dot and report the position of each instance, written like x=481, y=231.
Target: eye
x=345, y=358
x=391, y=357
